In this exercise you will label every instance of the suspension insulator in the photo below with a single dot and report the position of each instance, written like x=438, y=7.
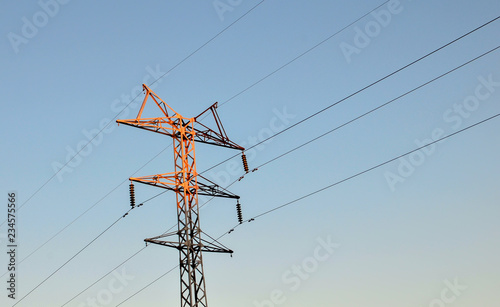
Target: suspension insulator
x=245, y=163
x=132, y=195
x=238, y=211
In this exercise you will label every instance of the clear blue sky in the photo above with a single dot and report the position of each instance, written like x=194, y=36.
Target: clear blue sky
x=422, y=231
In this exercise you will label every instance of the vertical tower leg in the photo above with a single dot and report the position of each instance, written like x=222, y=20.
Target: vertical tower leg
x=189, y=232
x=191, y=262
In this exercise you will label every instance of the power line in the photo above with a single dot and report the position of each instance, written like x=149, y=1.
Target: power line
x=372, y=168
x=132, y=256
x=353, y=94
x=328, y=187
x=311, y=116
x=373, y=110
x=316, y=138
x=208, y=42
x=303, y=53
x=379, y=107
x=360, y=173
x=73, y=257
x=353, y=120
x=280, y=68
x=87, y=210
x=298, y=57
x=160, y=277
x=234, y=96
x=363, y=172
x=116, y=116
x=356, y=92
x=163, y=75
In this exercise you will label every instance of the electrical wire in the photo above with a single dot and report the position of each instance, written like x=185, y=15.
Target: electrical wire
x=171, y=69
x=210, y=40
x=126, y=260
x=374, y=167
x=303, y=53
x=325, y=188
x=293, y=126
x=163, y=75
x=156, y=80
x=356, y=92
x=338, y=127
x=86, y=211
x=379, y=107
x=228, y=100
x=73, y=257
x=348, y=122
x=146, y=286
x=343, y=99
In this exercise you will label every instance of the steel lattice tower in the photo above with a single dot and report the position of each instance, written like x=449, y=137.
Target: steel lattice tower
x=187, y=185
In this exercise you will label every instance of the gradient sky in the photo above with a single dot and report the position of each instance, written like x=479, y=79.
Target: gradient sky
x=66, y=72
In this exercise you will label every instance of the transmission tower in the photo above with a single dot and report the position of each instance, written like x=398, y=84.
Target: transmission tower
x=187, y=185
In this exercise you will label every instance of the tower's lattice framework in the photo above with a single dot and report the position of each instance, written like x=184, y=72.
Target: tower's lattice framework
x=187, y=185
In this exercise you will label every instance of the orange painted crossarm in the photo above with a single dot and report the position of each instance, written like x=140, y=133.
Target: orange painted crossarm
x=159, y=102
x=202, y=185
x=216, y=136
x=164, y=124
x=160, y=125
x=162, y=180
